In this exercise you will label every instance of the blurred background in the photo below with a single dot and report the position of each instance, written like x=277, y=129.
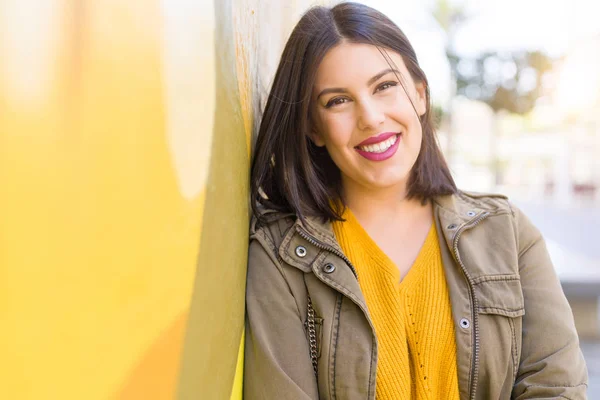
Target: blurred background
x=125, y=140
x=516, y=88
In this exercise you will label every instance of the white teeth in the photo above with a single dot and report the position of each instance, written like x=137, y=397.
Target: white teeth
x=380, y=147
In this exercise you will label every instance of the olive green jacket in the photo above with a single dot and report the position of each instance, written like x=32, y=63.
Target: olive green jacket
x=515, y=335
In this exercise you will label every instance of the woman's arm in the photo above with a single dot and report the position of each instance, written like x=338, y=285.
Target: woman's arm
x=552, y=365
x=277, y=358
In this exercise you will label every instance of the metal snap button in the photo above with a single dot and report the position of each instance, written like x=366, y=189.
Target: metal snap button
x=452, y=226
x=328, y=268
x=471, y=213
x=301, y=251
x=464, y=323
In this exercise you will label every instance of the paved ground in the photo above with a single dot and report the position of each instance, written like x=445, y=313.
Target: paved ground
x=575, y=229
x=591, y=352
x=573, y=240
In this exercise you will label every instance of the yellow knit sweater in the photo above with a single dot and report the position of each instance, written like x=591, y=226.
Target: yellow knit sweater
x=412, y=318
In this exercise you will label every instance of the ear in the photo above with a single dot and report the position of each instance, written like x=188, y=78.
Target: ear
x=421, y=98
x=316, y=138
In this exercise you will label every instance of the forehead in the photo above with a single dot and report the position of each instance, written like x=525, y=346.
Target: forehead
x=350, y=64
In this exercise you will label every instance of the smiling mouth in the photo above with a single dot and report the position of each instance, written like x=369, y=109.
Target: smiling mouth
x=380, y=147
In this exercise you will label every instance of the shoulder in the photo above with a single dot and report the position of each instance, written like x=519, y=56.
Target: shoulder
x=490, y=201
x=507, y=214
x=268, y=274
x=462, y=203
x=269, y=228
x=526, y=233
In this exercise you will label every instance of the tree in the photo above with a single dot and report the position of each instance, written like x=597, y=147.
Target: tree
x=508, y=81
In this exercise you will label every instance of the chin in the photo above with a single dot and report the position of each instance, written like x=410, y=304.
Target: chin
x=389, y=182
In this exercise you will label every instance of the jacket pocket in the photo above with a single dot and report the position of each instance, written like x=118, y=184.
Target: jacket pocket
x=500, y=294
x=500, y=300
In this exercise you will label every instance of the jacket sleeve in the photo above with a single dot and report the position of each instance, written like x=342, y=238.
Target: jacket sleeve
x=277, y=358
x=552, y=364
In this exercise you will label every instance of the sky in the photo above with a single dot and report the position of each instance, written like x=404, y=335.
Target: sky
x=553, y=26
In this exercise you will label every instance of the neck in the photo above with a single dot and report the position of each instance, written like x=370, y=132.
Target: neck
x=377, y=205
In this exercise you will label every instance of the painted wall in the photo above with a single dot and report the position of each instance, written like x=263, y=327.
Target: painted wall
x=125, y=134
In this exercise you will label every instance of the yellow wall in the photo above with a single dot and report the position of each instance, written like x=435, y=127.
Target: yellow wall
x=125, y=131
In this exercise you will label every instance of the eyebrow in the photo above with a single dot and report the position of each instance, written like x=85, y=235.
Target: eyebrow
x=369, y=83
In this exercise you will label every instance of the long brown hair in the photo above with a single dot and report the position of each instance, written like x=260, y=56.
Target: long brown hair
x=289, y=172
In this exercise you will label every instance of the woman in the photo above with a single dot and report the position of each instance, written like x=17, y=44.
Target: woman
x=370, y=275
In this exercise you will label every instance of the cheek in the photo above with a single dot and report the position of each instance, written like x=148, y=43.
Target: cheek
x=338, y=128
x=414, y=142
x=402, y=111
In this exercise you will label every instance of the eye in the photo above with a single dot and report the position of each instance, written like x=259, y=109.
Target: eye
x=336, y=101
x=386, y=85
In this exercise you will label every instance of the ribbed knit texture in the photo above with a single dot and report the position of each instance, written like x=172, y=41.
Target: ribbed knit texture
x=412, y=318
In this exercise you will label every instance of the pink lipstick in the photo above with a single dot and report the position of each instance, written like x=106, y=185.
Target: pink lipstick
x=374, y=153
x=377, y=138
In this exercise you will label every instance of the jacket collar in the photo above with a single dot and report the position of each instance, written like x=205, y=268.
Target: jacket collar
x=450, y=213
x=457, y=209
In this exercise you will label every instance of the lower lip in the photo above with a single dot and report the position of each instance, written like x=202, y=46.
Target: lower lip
x=381, y=156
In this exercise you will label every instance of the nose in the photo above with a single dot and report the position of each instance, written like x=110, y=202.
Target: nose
x=370, y=115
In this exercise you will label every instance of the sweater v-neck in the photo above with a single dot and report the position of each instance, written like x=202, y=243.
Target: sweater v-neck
x=371, y=249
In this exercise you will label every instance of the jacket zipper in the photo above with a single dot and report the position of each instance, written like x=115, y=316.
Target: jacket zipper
x=324, y=246
x=469, y=225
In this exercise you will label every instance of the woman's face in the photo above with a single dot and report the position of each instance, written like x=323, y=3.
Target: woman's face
x=365, y=118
